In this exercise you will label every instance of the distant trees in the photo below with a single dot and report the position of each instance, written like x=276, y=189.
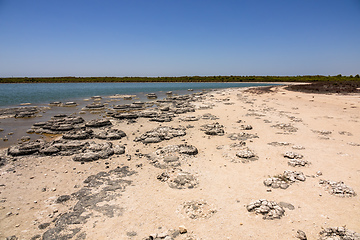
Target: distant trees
x=306, y=78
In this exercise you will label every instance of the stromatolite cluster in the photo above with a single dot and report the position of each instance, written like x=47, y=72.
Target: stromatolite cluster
x=213, y=129
x=95, y=151
x=246, y=127
x=179, y=179
x=85, y=151
x=338, y=233
x=298, y=162
x=245, y=155
x=293, y=155
x=269, y=209
x=161, y=133
x=286, y=127
x=171, y=156
x=279, y=144
x=296, y=159
x=197, y=209
x=337, y=188
x=21, y=112
x=284, y=180
x=241, y=136
x=58, y=124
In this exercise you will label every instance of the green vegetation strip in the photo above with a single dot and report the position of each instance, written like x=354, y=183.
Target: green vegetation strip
x=315, y=78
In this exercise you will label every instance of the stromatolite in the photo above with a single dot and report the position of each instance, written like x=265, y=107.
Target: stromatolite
x=269, y=209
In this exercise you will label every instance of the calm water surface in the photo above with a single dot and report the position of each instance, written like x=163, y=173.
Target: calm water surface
x=43, y=93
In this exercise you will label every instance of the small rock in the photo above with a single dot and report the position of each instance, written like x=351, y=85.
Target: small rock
x=301, y=235
x=182, y=229
x=12, y=238
x=131, y=234
x=43, y=225
x=63, y=198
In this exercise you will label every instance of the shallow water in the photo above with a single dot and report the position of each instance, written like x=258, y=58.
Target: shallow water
x=37, y=93
x=41, y=94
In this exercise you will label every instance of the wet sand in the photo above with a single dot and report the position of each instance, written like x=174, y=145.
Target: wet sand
x=147, y=199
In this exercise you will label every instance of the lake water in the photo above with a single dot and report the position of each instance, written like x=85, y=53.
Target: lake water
x=43, y=93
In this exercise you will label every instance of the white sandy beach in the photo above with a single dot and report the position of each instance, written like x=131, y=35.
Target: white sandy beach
x=327, y=127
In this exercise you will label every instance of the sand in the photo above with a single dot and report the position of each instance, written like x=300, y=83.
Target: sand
x=327, y=127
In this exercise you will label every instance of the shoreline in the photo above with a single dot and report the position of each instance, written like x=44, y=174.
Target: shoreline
x=43, y=111
x=222, y=178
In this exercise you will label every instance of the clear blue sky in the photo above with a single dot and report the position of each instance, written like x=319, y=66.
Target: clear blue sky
x=179, y=37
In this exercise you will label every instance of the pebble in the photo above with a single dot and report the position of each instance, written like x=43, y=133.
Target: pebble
x=182, y=229
x=301, y=235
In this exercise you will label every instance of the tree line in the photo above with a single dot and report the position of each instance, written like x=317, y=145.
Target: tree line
x=310, y=78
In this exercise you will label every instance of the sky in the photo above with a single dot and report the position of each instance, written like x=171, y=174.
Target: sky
x=45, y=38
